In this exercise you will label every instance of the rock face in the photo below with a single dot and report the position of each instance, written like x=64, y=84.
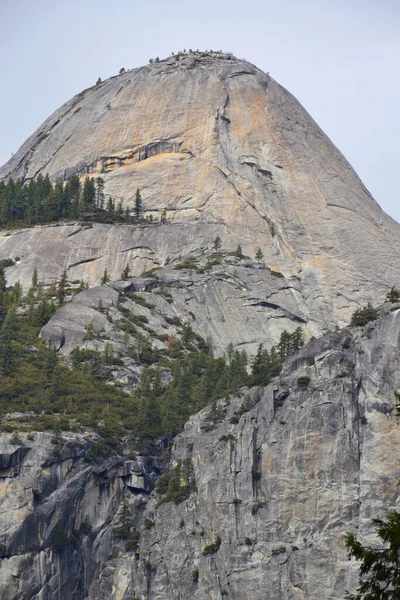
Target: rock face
x=227, y=152
x=281, y=473
x=237, y=301
x=50, y=487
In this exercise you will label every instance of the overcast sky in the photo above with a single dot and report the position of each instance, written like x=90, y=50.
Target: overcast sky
x=340, y=58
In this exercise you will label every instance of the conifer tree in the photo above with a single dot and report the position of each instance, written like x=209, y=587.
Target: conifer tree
x=99, y=193
x=284, y=345
x=217, y=243
x=82, y=286
x=34, y=282
x=393, y=295
x=110, y=206
x=88, y=194
x=138, y=205
x=105, y=279
x=124, y=524
x=62, y=287
x=7, y=333
x=90, y=331
x=120, y=210
x=125, y=272
x=259, y=255
x=17, y=292
x=239, y=252
x=296, y=340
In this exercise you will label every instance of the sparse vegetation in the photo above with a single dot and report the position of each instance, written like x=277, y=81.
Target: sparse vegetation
x=393, y=295
x=278, y=550
x=177, y=483
x=213, y=547
x=303, y=382
x=365, y=315
x=257, y=506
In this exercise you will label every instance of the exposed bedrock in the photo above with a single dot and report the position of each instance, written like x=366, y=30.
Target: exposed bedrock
x=227, y=152
x=281, y=473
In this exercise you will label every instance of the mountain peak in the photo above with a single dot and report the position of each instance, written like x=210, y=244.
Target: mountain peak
x=221, y=149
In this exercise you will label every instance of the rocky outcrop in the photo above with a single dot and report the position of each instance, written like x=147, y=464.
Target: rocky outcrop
x=280, y=479
x=57, y=510
x=227, y=152
x=237, y=301
x=279, y=475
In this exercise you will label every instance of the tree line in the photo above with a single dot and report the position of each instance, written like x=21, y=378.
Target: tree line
x=41, y=201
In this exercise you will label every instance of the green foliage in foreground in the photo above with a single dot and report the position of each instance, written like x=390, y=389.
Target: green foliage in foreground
x=380, y=567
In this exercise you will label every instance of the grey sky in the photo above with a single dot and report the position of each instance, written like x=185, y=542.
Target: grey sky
x=340, y=58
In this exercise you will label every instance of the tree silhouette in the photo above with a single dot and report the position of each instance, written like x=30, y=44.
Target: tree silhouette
x=380, y=568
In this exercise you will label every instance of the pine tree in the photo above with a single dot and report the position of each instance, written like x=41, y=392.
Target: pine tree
x=125, y=272
x=259, y=367
x=138, y=205
x=62, y=287
x=82, y=286
x=17, y=292
x=90, y=331
x=34, y=282
x=105, y=279
x=217, y=243
x=88, y=194
x=59, y=538
x=284, y=345
x=110, y=206
x=296, y=340
x=259, y=255
x=393, y=295
x=120, y=210
x=72, y=193
x=239, y=252
x=7, y=333
x=124, y=524
x=108, y=354
x=99, y=193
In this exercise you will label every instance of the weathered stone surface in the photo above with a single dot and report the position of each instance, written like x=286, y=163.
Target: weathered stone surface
x=54, y=485
x=229, y=153
x=298, y=470
x=228, y=303
x=280, y=477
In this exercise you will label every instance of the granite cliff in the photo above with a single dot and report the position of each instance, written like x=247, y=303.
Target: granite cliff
x=227, y=152
x=270, y=478
x=279, y=474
